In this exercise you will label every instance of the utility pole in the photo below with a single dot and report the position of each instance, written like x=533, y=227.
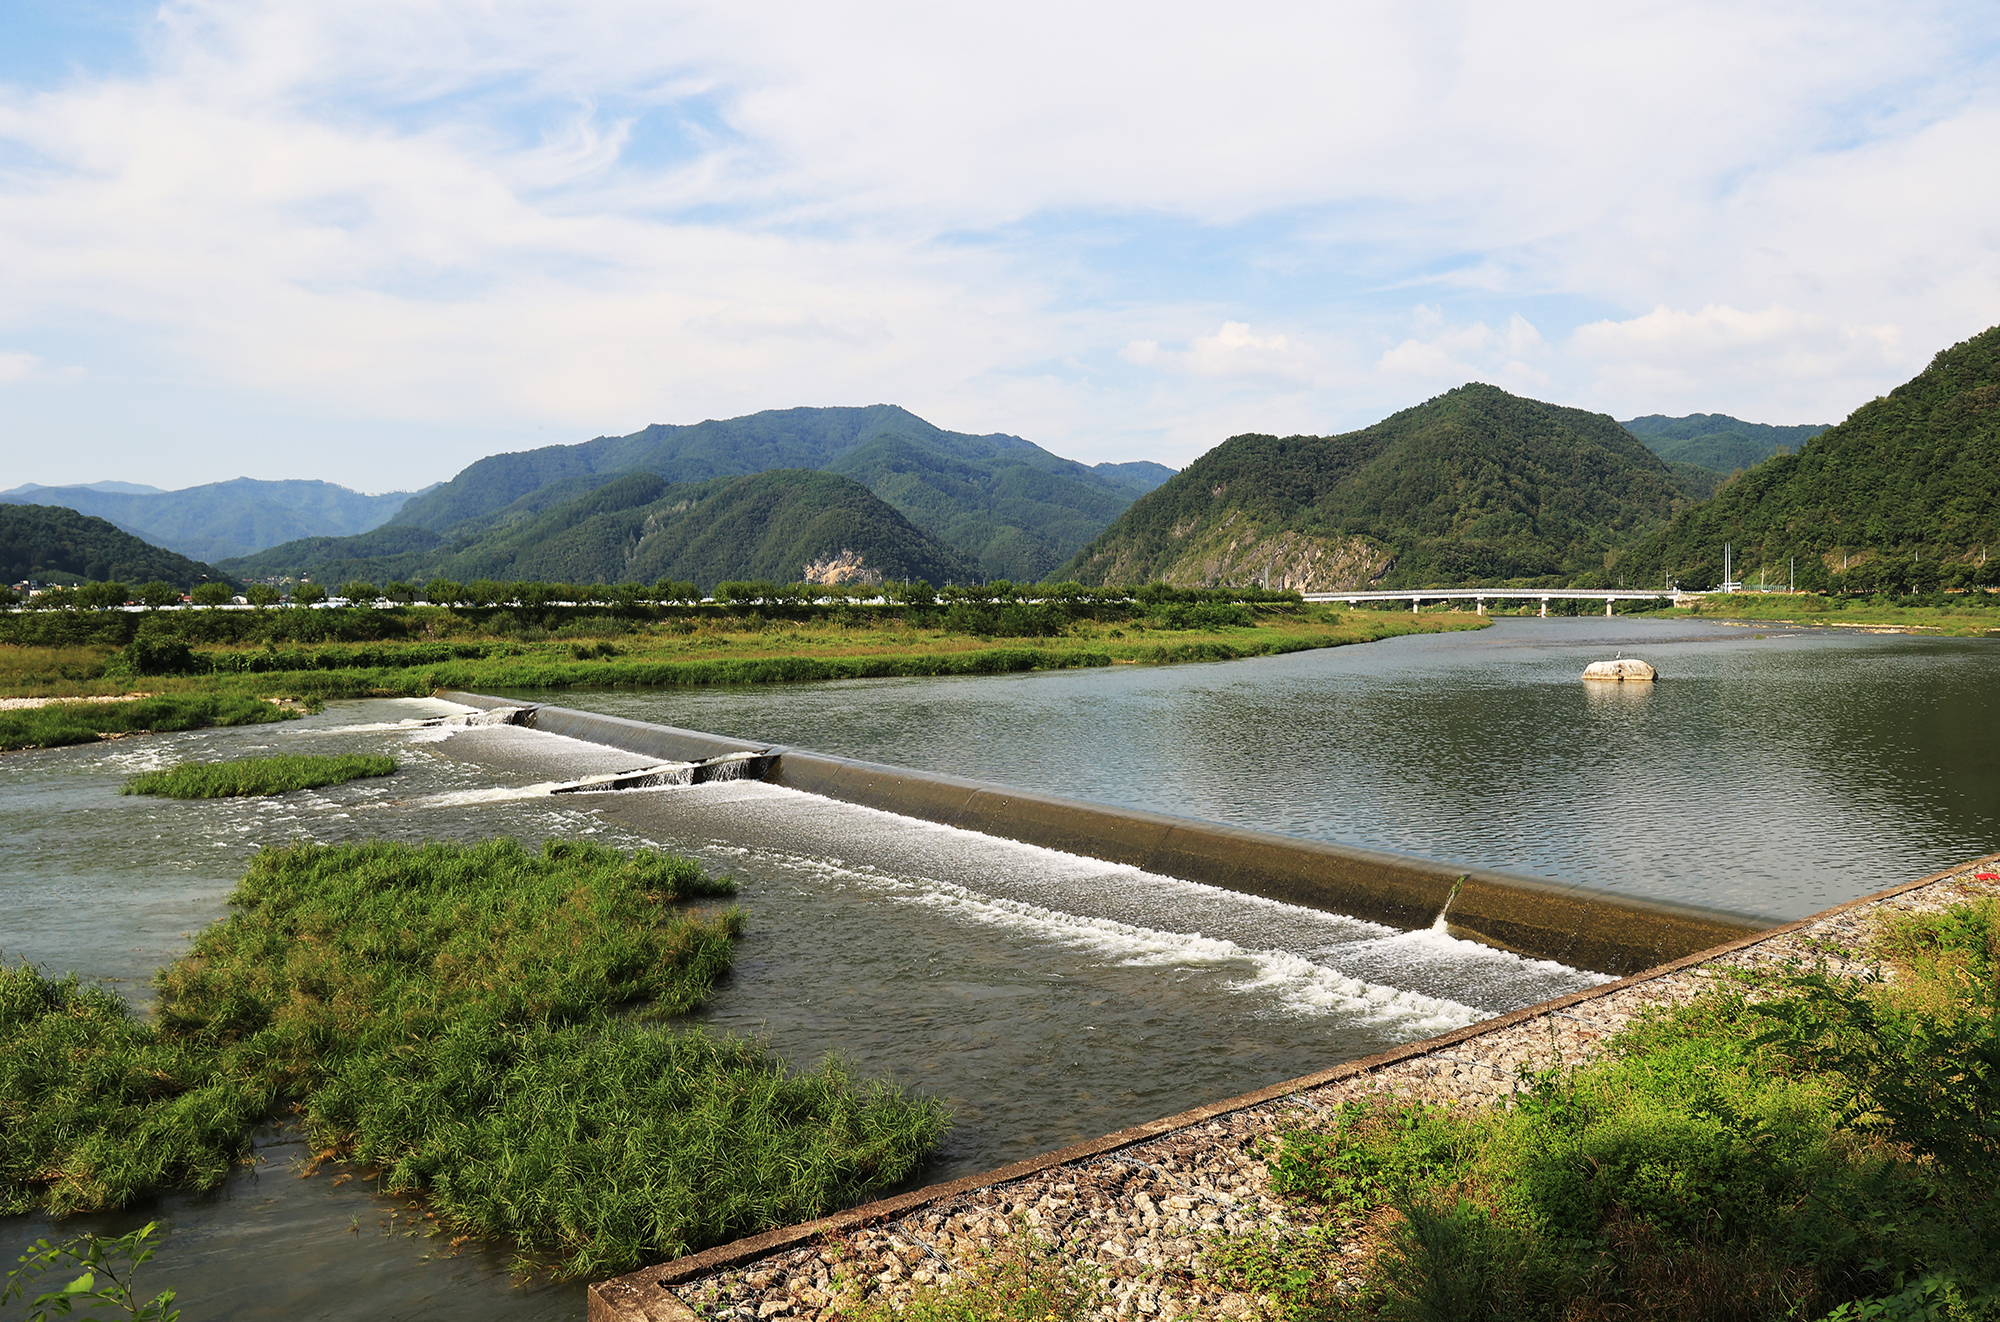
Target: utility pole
x=1792, y=576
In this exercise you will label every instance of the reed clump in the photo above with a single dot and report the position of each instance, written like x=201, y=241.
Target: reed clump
x=59, y=724
x=478, y=1024
x=255, y=776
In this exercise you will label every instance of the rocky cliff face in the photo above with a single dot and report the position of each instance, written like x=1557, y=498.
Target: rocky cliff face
x=1238, y=551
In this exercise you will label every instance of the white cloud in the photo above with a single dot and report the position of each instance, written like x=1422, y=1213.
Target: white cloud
x=1443, y=354
x=1232, y=354
x=592, y=214
x=17, y=367
x=1778, y=352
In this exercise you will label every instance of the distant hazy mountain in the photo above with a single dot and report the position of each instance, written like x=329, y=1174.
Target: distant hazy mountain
x=785, y=525
x=1908, y=480
x=58, y=545
x=222, y=519
x=120, y=488
x=1716, y=441
x=1475, y=485
x=1012, y=508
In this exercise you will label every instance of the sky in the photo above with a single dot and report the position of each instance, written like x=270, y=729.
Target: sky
x=371, y=241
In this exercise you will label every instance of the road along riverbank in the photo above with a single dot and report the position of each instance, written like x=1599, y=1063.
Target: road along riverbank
x=1575, y=925
x=1141, y=1207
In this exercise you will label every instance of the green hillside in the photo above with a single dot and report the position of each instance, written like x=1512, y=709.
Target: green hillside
x=1475, y=486
x=1906, y=492
x=1012, y=508
x=1716, y=441
x=222, y=519
x=59, y=545
x=784, y=525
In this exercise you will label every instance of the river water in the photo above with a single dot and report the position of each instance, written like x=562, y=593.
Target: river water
x=1048, y=998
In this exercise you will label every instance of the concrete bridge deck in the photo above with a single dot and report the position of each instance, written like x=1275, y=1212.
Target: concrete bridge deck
x=1480, y=596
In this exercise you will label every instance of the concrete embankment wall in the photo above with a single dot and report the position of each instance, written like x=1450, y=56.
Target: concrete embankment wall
x=1544, y=919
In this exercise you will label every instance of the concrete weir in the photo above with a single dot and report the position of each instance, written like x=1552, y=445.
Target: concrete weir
x=1532, y=916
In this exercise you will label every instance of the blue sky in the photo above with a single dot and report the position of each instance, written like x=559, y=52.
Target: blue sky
x=372, y=241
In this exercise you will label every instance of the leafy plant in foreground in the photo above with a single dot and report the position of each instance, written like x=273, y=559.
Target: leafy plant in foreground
x=85, y=1293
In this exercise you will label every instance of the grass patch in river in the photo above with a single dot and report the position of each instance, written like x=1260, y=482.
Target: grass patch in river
x=475, y=1023
x=62, y=723
x=252, y=776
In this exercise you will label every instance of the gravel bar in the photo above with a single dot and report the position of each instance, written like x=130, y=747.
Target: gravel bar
x=1142, y=1203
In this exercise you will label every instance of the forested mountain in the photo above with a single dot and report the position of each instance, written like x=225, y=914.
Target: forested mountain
x=59, y=545
x=1716, y=441
x=222, y=519
x=785, y=525
x=1905, y=491
x=1015, y=510
x=1475, y=486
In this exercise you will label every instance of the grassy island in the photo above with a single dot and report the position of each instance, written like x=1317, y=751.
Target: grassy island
x=59, y=724
x=256, y=776
x=476, y=1024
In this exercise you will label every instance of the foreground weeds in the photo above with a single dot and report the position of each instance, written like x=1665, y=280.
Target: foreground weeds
x=1813, y=1147
x=255, y=776
x=474, y=1023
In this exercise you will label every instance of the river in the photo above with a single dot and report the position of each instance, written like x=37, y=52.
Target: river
x=1049, y=998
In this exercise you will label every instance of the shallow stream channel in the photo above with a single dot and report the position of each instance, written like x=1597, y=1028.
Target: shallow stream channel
x=1046, y=998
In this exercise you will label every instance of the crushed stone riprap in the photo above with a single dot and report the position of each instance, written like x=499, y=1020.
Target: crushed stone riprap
x=1145, y=1213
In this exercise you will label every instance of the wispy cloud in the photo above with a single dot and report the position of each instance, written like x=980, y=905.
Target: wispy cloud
x=445, y=226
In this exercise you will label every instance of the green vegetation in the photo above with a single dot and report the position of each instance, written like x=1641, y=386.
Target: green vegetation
x=997, y=505
x=1954, y=614
x=220, y=519
x=1716, y=442
x=1805, y=1147
x=474, y=1023
x=57, y=545
x=254, y=776
x=781, y=524
x=759, y=633
x=58, y=724
x=1904, y=496
x=1475, y=486
x=107, y=1271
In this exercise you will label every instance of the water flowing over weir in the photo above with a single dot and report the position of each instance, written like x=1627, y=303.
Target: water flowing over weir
x=1529, y=915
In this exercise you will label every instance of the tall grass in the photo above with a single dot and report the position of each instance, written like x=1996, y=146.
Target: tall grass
x=255, y=776
x=1820, y=1147
x=475, y=1022
x=63, y=723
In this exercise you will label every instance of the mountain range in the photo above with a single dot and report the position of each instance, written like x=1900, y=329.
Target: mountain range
x=1476, y=485
x=221, y=519
x=969, y=507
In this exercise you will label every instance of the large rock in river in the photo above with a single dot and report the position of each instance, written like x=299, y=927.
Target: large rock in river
x=1627, y=670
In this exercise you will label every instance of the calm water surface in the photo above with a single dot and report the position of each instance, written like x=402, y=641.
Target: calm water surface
x=1773, y=771
x=1045, y=997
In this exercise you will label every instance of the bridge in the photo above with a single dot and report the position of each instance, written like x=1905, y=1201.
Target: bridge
x=1480, y=596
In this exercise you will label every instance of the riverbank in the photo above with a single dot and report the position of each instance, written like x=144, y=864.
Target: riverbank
x=1208, y=1213
x=1947, y=615
x=610, y=651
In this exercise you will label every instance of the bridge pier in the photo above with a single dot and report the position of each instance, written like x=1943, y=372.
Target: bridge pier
x=1545, y=608
x=1481, y=603
x=1607, y=608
